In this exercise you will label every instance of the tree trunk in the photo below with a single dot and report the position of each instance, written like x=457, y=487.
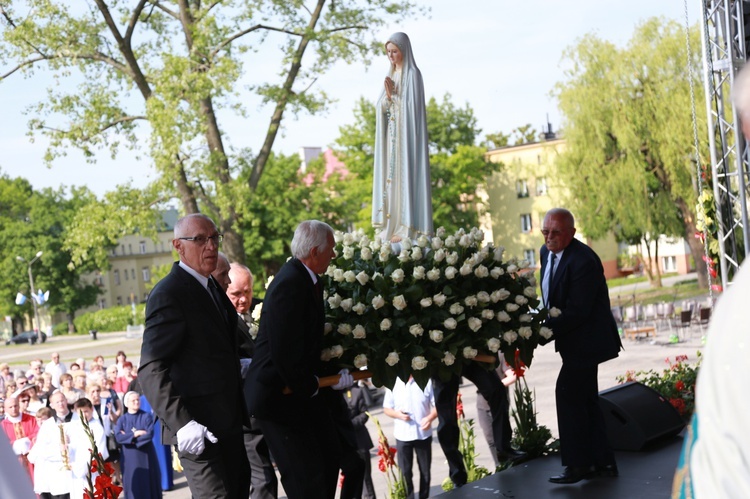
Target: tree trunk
x=696, y=247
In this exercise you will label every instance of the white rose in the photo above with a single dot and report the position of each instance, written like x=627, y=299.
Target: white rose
x=338, y=236
x=524, y=332
x=440, y=232
x=470, y=353
x=465, y=269
x=375, y=275
x=439, y=255
x=450, y=272
x=416, y=253
x=503, y=316
x=359, y=332
x=465, y=241
x=475, y=324
x=403, y=257
x=532, y=282
x=334, y=301
x=397, y=276
x=360, y=361
x=554, y=312
x=425, y=302
x=406, y=243
x=483, y=297
x=488, y=314
x=378, y=302
x=511, y=307
x=450, y=323
x=521, y=300
x=481, y=272
x=456, y=309
x=366, y=254
x=500, y=295
x=510, y=336
x=493, y=344
x=496, y=272
x=419, y=272
x=525, y=318
x=348, y=252
x=359, y=308
x=450, y=242
x=451, y=258
x=253, y=330
x=346, y=305
x=545, y=332
x=512, y=268
x=349, y=276
x=329, y=271
x=436, y=335
x=385, y=254
x=524, y=264
x=348, y=239
x=392, y=359
x=327, y=328
x=375, y=245
x=416, y=330
x=470, y=301
x=399, y=302
x=257, y=311
x=529, y=292
x=433, y=275
x=337, y=351
x=449, y=359
x=418, y=363
x=344, y=329
x=325, y=355
x=385, y=324
x=363, y=278
x=423, y=241
x=478, y=235
x=338, y=275
x=498, y=254
x=439, y=299
x=437, y=243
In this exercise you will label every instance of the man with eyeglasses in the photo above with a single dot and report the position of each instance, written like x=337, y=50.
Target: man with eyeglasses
x=190, y=368
x=585, y=334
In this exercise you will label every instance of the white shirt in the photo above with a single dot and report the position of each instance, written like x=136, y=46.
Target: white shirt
x=410, y=399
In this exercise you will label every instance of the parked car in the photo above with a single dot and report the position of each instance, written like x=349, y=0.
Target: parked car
x=26, y=337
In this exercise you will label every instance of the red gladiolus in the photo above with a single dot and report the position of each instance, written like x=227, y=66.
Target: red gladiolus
x=519, y=367
x=459, y=407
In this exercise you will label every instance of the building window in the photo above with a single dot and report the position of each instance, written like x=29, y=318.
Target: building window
x=530, y=256
x=122, y=247
x=102, y=304
x=145, y=296
x=119, y=300
x=132, y=274
x=522, y=189
x=146, y=274
x=125, y=274
x=142, y=247
x=526, y=222
x=541, y=186
x=117, y=277
x=669, y=263
x=130, y=249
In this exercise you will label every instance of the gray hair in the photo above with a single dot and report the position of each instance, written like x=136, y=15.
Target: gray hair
x=565, y=214
x=223, y=256
x=242, y=268
x=308, y=235
x=181, y=225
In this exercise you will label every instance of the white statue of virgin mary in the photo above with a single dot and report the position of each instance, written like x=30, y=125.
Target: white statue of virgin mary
x=401, y=192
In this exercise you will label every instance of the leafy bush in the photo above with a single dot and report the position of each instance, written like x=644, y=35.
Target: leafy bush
x=110, y=319
x=676, y=383
x=60, y=328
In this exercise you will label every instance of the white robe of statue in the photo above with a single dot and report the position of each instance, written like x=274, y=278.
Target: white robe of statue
x=401, y=192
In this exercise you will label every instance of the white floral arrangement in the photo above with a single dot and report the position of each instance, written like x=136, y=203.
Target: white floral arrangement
x=428, y=309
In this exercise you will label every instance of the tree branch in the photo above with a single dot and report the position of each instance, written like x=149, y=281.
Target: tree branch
x=250, y=30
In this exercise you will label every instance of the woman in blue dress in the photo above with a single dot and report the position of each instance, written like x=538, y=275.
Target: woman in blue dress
x=141, y=477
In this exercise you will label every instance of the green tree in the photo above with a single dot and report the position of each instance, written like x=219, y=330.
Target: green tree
x=629, y=162
x=168, y=68
x=448, y=126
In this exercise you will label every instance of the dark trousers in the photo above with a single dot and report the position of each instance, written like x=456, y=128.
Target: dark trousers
x=405, y=455
x=262, y=475
x=492, y=389
x=47, y=495
x=583, y=435
x=221, y=470
x=353, y=469
x=368, y=488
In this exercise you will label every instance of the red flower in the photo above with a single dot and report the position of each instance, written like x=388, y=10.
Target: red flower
x=679, y=385
x=519, y=367
x=459, y=407
x=678, y=404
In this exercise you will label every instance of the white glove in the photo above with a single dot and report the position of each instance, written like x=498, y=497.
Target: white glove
x=345, y=381
x=191, y=438
x=22, y=446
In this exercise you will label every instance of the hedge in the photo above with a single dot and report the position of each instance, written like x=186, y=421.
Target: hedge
x=110, y=319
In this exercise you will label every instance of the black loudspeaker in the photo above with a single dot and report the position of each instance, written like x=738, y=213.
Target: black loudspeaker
x=637, y=415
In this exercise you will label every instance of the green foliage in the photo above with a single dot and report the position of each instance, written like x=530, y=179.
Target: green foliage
x=449, y=127
x=60, y=328
x=529, y=436
x=676, y=383
x=110, y=319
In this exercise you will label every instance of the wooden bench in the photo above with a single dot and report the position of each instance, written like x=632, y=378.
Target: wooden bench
x=633, y=332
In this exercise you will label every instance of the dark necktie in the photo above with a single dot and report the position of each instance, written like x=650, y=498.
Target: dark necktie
x=319, y=290
x=548, y=278
x=214, y=290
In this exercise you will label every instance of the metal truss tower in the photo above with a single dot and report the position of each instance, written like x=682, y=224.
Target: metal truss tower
x=724, y=53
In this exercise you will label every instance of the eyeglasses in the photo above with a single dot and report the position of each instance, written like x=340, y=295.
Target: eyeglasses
x=203, y=240
x=553, y=233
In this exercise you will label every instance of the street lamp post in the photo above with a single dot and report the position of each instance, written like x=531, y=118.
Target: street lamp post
x=33, y=291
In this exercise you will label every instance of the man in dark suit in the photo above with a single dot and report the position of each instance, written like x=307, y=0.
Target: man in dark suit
x=190, y=368
x=355, y=401
x=297, y=423
x=263, y=477
x=585, y=334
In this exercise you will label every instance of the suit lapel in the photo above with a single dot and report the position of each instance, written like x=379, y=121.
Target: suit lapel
x=203, y=301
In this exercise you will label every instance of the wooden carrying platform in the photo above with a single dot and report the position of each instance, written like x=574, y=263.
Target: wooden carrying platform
x=634, y=332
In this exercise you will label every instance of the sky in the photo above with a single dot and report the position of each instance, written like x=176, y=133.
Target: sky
x=501, y=57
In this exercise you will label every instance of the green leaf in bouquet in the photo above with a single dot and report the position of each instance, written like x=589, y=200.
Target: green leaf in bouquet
x=414, y=293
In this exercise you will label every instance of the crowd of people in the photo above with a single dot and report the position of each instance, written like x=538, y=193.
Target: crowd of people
x=41, y=410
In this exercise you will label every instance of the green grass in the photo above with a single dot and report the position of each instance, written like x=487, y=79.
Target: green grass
x=680, y=291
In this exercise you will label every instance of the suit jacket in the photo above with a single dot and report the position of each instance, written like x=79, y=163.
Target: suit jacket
x=287, y=348
x=355, y=401
x=585, y=332
x=189, y=358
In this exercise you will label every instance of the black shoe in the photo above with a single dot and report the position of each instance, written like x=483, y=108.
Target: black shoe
x=573, y=474
x=511, y=455
x=606, y=471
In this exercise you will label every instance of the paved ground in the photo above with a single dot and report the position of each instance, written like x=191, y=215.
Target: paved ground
x=637, y=355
